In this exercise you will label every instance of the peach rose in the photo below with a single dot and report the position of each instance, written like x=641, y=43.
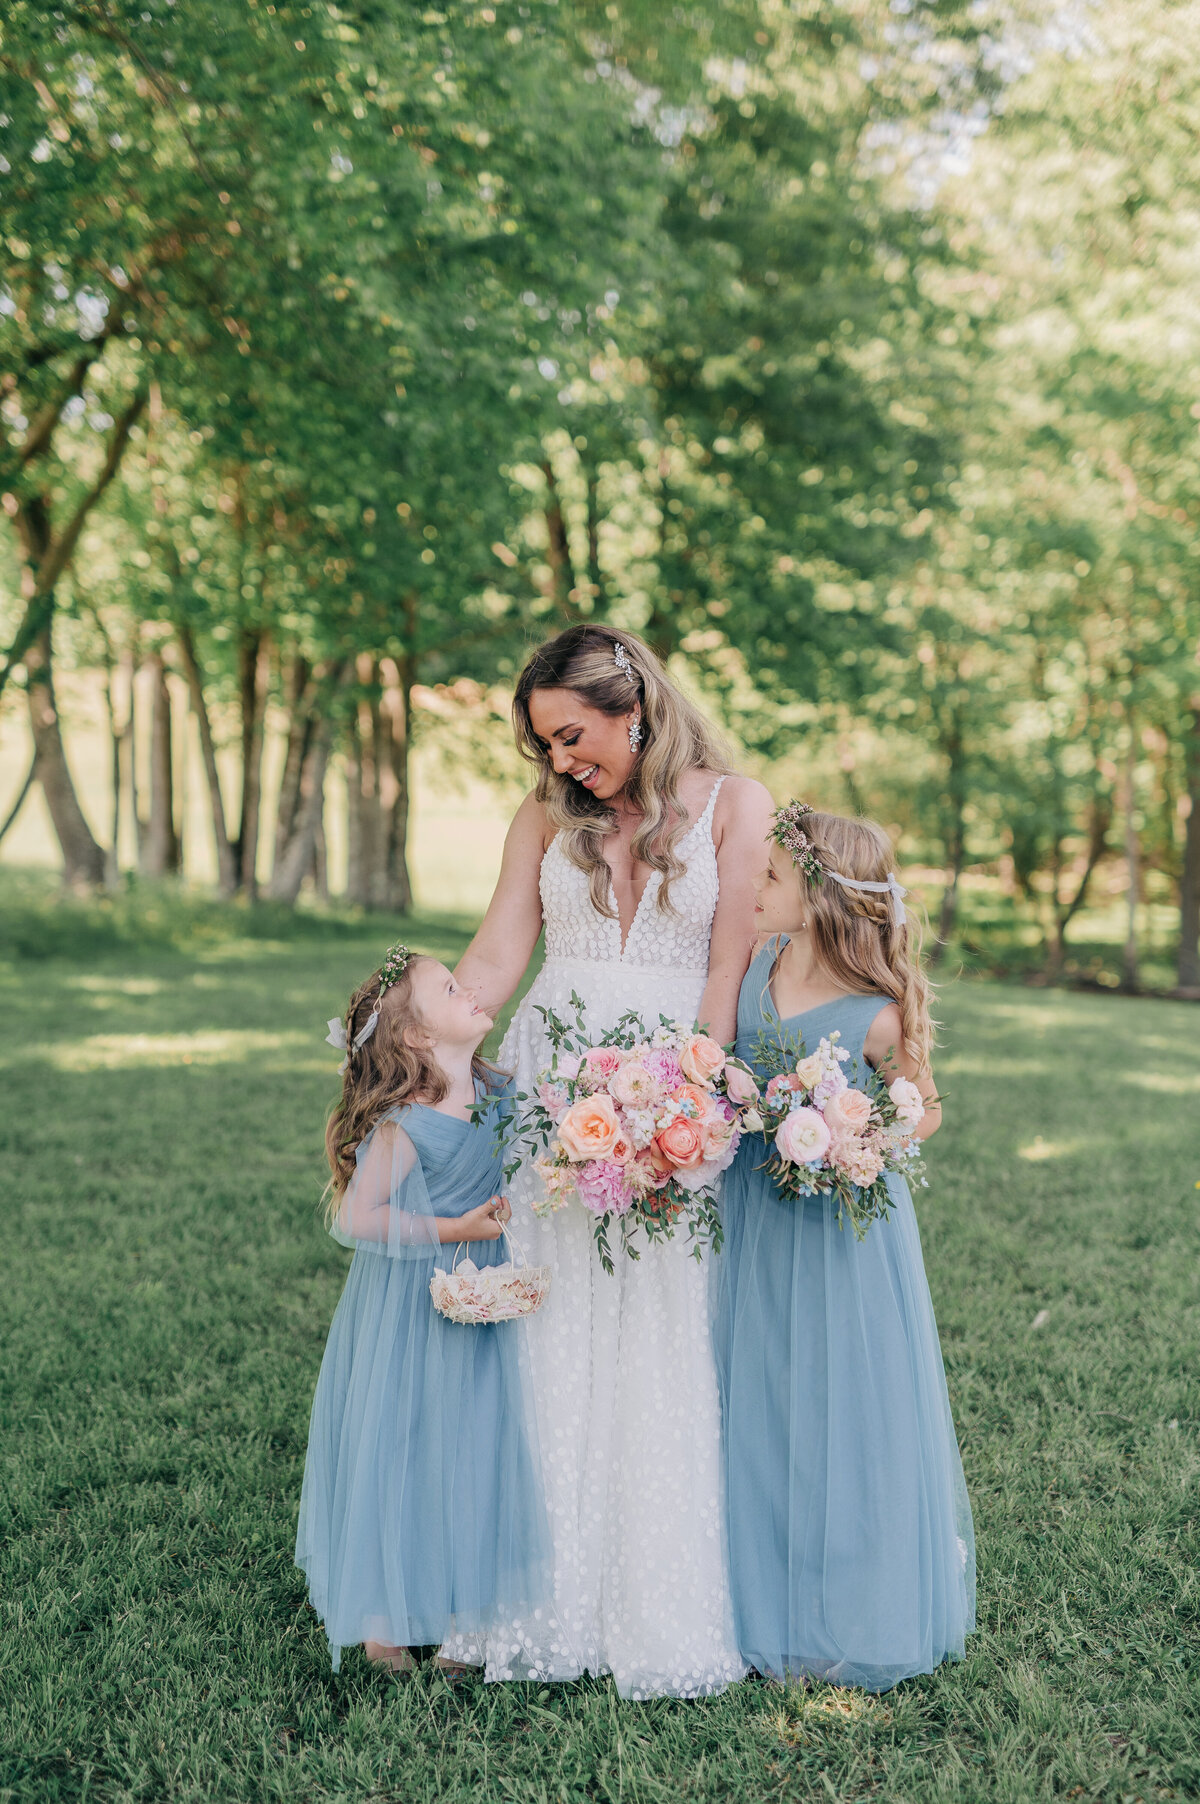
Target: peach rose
x=848, y=1112
x=634, y=1086
x=803, y=1138
x=681, y=1143
x=718, y=1132
x=695, y=1098
x=740, y=1087
x=600, y=1065
x=589, y=1129
x=621, y=1151
x=702, y=1059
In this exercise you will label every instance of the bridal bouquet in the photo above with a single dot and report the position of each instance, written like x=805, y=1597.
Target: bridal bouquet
x=636, y=1126
x=827, y=1137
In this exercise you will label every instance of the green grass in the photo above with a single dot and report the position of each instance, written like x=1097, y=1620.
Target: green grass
x=169, y=1289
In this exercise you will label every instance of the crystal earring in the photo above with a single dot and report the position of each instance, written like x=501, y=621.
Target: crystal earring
x=635, y=734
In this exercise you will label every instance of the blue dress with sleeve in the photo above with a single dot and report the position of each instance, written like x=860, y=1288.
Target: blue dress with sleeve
x=421, y=1512
x=850, y=1538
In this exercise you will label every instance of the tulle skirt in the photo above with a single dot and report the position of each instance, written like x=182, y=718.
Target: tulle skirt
x=851, y=1547
x=421, y=1512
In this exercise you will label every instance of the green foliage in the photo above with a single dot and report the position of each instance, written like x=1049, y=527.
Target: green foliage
x=175, y=1291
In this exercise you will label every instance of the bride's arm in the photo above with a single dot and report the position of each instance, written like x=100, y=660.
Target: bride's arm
x=494, y=963
x=740, y=825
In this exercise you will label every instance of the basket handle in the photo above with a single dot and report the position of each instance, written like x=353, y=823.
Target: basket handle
x=514, y=1246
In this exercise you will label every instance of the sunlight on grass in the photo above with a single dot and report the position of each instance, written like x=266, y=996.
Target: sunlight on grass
x=1050, y=1149
x=117, y=1052
x=825, y=1708
x=1167, y=1083
x=114, y=986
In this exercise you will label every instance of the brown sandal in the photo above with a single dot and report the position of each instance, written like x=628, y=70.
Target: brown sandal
x=398, y=1660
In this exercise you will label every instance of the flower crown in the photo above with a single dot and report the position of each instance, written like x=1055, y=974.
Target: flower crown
x=396, y=962
x=787, y=832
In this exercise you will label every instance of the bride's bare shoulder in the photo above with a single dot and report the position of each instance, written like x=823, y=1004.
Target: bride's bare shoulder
x=531, y=829
x=744, y=802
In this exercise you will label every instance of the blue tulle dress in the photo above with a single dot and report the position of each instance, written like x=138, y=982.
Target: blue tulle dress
x=421, y=1512
x=850, y=1541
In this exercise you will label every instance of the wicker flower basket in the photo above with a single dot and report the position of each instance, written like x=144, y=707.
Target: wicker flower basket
x=474, y=1295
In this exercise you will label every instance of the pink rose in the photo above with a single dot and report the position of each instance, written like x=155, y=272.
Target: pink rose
x=634, y=1086
x=553, y=1098
x=681, y=1143
x=702, y=1059
x=849, y=1112
x=803, y=1138
x=740, y=1087
x=589, y=1129
x=718, y=1136
x=784, y=1085
x=600, y=1066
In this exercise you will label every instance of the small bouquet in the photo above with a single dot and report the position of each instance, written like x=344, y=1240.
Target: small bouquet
x=636, y=1126
x=827, y=1137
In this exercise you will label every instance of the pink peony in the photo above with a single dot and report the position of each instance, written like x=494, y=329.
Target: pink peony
x=604, y=1187
x=702, y=1059
x=848, y=1111
x=803, y=1138
x=664, y=1067
x=567, y=1067
x=865, y=1166
x=589, y=1128
x=740, y=1086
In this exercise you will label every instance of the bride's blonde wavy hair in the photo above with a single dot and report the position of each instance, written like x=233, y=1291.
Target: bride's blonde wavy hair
x=676, y=738
x=855, y=937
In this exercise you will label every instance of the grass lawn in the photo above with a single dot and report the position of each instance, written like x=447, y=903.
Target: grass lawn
x=168, y=1294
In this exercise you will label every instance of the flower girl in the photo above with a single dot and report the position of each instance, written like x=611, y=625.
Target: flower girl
x=421, y=1512
x=851, y=1547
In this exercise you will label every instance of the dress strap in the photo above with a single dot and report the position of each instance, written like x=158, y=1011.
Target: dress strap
x=706, y=819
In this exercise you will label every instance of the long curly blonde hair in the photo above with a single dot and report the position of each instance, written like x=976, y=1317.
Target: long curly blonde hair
x=855, y=936
x=676, y=738
x=391, y=1068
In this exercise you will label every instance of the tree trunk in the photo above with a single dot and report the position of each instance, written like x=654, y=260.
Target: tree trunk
x=562, y=574
x=160, y=854
x=1064, y=911
x=296, y=860
x=116, y=740
x=253, y=675
x=83, y=859
x=401, y=676
x=1189, y=883
x=298, y=690
x=226, y=867
x=24, y=790
x=364, y=874
x=956, y=847
x=1129, y=955
x=320, y=861
x=595, y=578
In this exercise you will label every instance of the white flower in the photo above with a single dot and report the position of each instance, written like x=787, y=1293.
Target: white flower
x=752, y=1121
x=909, y=1103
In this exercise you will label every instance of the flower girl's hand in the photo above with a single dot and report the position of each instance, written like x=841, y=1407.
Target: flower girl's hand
x=483, y=1223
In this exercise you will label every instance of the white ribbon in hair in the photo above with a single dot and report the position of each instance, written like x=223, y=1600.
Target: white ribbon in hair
x=891, y=888
x=336, y=1037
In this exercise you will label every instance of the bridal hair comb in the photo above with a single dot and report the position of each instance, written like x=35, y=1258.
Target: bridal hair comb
x=621, y=660
x=392, y=970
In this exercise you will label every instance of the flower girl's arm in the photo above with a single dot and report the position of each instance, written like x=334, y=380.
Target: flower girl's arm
x=740, y=824
x=494, y=963
x=884, y=1050
x=372, y=1206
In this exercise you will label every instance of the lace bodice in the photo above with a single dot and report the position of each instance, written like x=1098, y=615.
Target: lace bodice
x=674, y=938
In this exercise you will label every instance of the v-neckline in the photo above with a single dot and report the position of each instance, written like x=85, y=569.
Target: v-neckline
x=654, y=880
x=846, y=996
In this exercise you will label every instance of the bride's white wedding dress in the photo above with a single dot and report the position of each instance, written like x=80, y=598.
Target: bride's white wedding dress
x=623, y=1375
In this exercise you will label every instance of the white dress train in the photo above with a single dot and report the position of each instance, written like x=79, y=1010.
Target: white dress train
x=624, y=1381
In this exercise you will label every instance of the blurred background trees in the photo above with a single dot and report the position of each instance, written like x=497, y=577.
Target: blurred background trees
x=850, y=354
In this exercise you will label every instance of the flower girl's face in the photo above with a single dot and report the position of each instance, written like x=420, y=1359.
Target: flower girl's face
x=582, y=743
x=778, y=905
x=446, y=1009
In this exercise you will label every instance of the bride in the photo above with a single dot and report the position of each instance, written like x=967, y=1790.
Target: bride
x=635, y=852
